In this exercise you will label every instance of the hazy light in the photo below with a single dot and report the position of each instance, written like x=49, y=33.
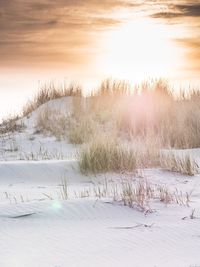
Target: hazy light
x=140, y=49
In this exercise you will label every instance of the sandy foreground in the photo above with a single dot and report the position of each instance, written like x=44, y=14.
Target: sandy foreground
x=39, y=228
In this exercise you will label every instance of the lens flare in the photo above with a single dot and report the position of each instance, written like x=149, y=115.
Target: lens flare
x=57, y=205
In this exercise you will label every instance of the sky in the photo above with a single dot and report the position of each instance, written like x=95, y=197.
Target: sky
x=89, y=40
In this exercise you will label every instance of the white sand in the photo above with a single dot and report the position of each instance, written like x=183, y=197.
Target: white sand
x=87, y=232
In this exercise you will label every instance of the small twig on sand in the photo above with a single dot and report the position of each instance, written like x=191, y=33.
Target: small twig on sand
x=132, y=227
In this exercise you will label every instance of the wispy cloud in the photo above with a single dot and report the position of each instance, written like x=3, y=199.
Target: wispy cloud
x=186, y=14
x=46, y=29
x=189, y=9
x=192, y=46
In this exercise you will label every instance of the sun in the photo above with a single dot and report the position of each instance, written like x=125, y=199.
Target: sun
x=138, y=50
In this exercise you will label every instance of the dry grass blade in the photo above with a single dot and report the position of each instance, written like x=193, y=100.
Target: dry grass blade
x=64, y=189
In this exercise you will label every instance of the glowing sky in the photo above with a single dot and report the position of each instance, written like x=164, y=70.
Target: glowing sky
x=88, y=40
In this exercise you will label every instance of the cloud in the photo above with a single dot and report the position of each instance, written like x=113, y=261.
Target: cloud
x=192, y=46
x=19, y=14
x=53, y=30
x=190, y=9
x=186, y=15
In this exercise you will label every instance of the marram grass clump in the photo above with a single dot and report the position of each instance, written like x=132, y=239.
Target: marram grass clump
x=183, y=164
x=82, y=131
x=107, y=155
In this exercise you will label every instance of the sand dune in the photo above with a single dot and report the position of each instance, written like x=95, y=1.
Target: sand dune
x=38, y=228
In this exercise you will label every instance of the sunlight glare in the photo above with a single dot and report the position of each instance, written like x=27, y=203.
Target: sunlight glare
x=140, y=49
